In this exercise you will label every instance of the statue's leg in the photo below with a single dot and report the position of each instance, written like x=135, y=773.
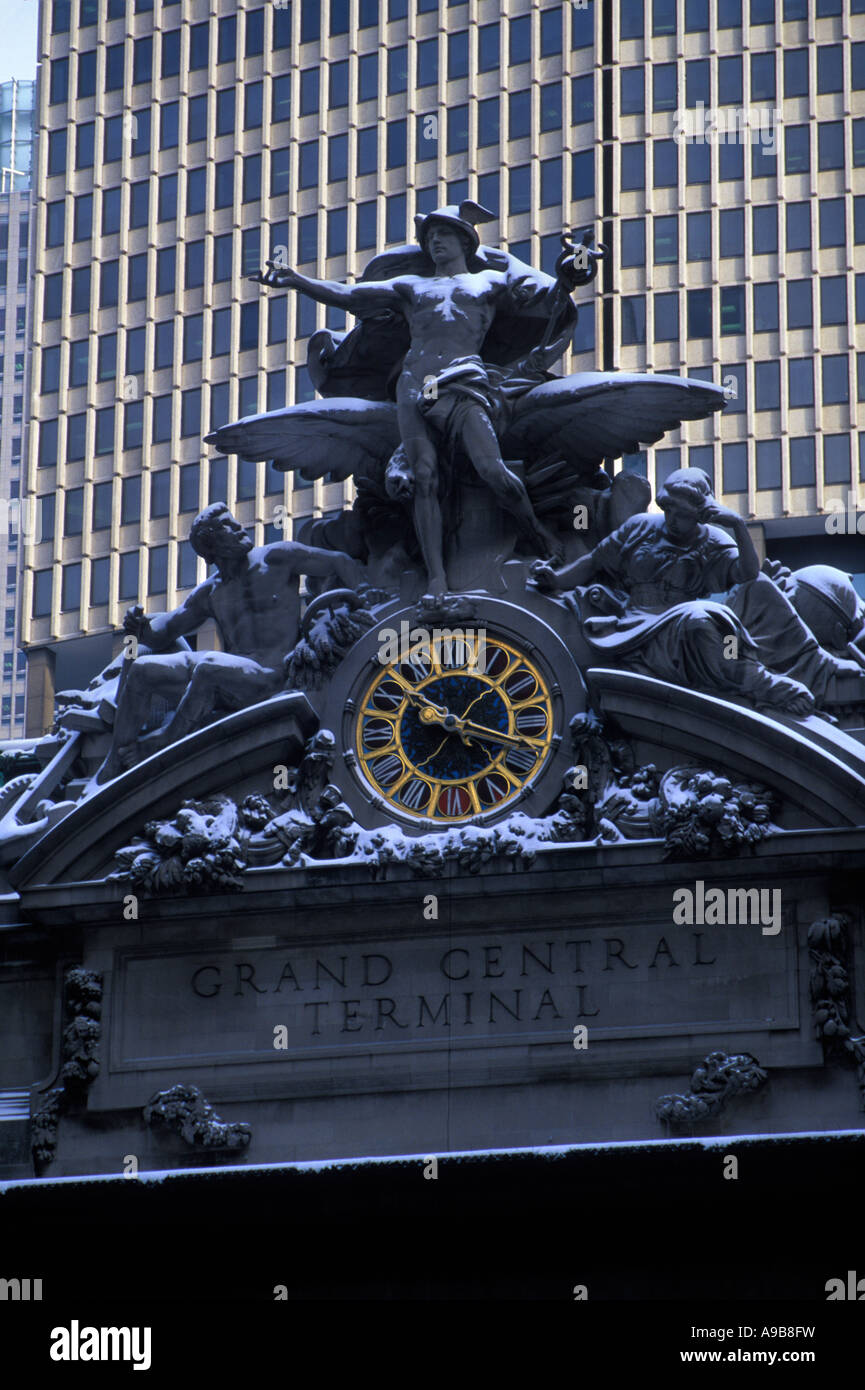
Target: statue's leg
x=147, y=676
x=217, y=678
x=422, y=455
x=482, y=446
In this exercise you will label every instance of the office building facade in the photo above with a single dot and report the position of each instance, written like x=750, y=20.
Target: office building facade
x=180, y=143
x=16, y=111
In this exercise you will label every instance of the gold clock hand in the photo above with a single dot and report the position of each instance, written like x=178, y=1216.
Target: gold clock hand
x=492, y=736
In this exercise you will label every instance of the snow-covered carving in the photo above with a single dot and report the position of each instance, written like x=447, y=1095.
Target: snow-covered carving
x=717, y=1078
x=831, y=995
x=197, y=849
x=184, y=1111
x=80, y=1067
x=331, y=625
x=705, y=815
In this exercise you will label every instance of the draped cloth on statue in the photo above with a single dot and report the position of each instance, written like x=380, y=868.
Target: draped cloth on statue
x=664, y=623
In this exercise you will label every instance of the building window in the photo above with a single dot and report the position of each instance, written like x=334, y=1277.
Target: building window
x=665, y=164
x=127, y=578
x=70, y=592
x=833, y=300
x=799, y=305
x=666, y=317
x=767, y=385
x=665, y=240
x=732, y=228
x=700, y=314
x=836, y=383
x=768, y=464
x=734, y=466
x=633, y=319
x=664, y=87
x=42, y=582
x=633, y=166
x=766, y=308
x=800, y=381
x=101, y=507
x=836, y=458
x=732, y=309
x=803, y=462
x=633, y=241
x=699, y=236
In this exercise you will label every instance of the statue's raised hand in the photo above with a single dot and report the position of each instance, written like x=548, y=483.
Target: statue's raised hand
x=278, y=277
x=135, y=621
x=717, y=515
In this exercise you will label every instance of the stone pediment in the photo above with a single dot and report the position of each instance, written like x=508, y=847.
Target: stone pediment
x=813, y=772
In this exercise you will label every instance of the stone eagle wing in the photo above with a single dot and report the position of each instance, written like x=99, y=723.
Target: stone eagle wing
x=582, y=419
x=340, y=436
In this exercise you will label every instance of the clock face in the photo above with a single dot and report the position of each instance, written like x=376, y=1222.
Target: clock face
x=455, y=729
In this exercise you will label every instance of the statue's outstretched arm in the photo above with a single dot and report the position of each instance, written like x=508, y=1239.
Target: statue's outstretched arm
x=162, y=629
x=364, y=297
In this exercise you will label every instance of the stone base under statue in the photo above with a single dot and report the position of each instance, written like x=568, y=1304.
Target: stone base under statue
x=338, y=1017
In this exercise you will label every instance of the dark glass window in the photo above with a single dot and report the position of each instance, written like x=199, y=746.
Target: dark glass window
x=57, y=152
x=734, y=464
x=160, y=493
x=253, y=105
x=633, y=165
x=79, y=360
x=803, y=463
x=732, y=226
x=193, y=337
x=308, y=164
x=249, y=326
x=309, y=84
x=666, y=317
x=800, y=381
x=833, y=300
x=696, y=16
x=762, y=76
x=796, y=72
x=458, y=133
x=488, y=121
x=127, y=583
x=80, y=302
x=307, y=238
x=108, y=284
x=836, y=380
x=519, y=40
x=190, y=412
x=797, y=149
x=396, y=135
x=225, y=111
x=765, y=229
x=135, y=345
x=663, y=16
x=70, y=593
x=836, y=458
x=519, y=115
x=142, y=60
x=732, y=309
x=101, y=514
x=767, y=385
x=699, y=236
x=170, y=59
x=251, y=190
x=226, y=39
x=551, y=106
x=520, y=189
x=664, y=88
x=106, y=358
x=768, y=464
x=85, y=140
x=665, y=163
x=160, y=429
x=697, y=82
x=59, y=83
x=633, y=319
x=551, y=32
x=798, y=217
x=633, y=241
x=167, y=198
x=488, y=47
x=169, y=125
x=86, y=74
x=367, y=150
x=830, y=68
x=105, y=430
x=133, y=425
x=832, y=231
x=427, y=63
x=196, y=191
x=60, y=16
x=114, y=67
x=799, y=311
x=221, y=328
x=551, y=182
x=224, y=184
x=666, y=240
x=698, y=163
x=199, y=45
x=157, y=569
x=458, y=57
x=583, y=175
x=50, y=369
x=765, y=309
x=366, y=225
x=165, y=270
x=830, y=145
x=55, y=223
x=130, y=501
x=394, y=224
x=197, y=118
x=731, y=163
x=730, y=81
